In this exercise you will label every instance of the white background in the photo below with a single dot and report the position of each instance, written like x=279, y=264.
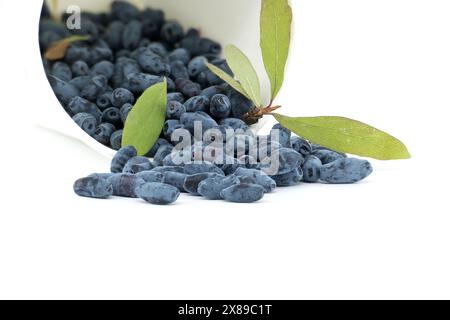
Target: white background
x=385, y=62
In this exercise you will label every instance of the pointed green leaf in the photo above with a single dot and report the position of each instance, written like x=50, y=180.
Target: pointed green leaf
x=228, y=79
x=245, y=73
x=146, y=120
x=348, y=136
x=276, y=23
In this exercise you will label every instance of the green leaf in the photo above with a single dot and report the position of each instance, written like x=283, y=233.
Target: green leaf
x=228, y=79
x=276, y=23
x=245, y=73
x=348, y=136
x=58, y=49
x=146, y=120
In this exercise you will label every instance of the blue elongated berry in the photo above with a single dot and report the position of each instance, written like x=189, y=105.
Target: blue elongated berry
x=288, y=179
x=188, y=87
x=104, y=68
x=212, y=188
x=197, y=103
x=220, y=106
x=152, y=63
x=234, y=123
x=175, y=110
x=328, y=156
x=104, y=101
x=178, y=70
x=169, y=169
x=139, y=82
x=201, y=167
x=311, y=169
x=93, y=187
x=121, y=158
x=124, y=11
x=175, y=96
x=116, y=140
x=284, y=135
x=112, y=115
x=137, y=164
x=175, y=179
x=80, y=82
x=192, y=182
x=79, y=105
x=285, y=159
x=104, y=132
x=121, y=96
x=125, y=111
x=301, y=146
x=159, y=143
x=95, y=88
x=86, y=121
x=132, y=34
x=240, y=105
x=260, y=177
x=243, y=193
x=162, y=152
x=345, y=170
x=62, y=71
x=151, y=176
x=197, y=66
x=170, y=126
x=158, y=193
x=80, y=68
x=113, y=34
x=180, y=54
x=172, y=32
x=64, y=91
x=125, y=185
x=189, y=119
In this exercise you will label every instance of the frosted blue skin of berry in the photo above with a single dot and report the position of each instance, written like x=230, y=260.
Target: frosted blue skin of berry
x=104, y=132
x=121, y=158
x=260, y=177
x=175, y=179
x=301, y=146
x=212, y=188
x=121, y=96
x=63, y=90
x=189, y=118
x=79, y=105
x=104, y=68
x=93, y=187
x=175, y=96
x=284, y=135
x=124, y=185
x=192, y=182
x=162, y=152
x=311, y=169
x=168, y=169
x=132, y=34
x=288, y=160
x=95, y=88
x=137, y=161
x=288, y=179
x=175, y=110
x=62, y=71
x=197, y=103
x=220, y=106
x=86, y=121
x=243, y=193
x=116, y=140
x=80, y=68
x=158, y=193
x=201, y=167
x=345, y=171
x=197, y=66
x=180, y=54
x=112, y=115
x=151, y=176
x=328, y=156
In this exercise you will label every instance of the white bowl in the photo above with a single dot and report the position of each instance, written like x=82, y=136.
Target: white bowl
x=228, y=22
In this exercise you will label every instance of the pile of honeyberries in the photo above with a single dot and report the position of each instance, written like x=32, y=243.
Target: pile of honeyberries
x=98, y=80
x=129, y=50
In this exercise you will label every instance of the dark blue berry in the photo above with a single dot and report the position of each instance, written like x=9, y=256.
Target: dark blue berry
x=125, y=185
x=121, y=158
x=220, y=106
x=243, y=193
x=116, y=140
x=158, y=193
x=87, y=122
x=175, y=110
x=197, y=103
x=345, y=170
x=93, y=187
